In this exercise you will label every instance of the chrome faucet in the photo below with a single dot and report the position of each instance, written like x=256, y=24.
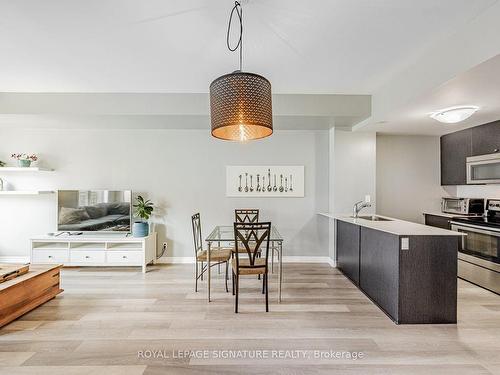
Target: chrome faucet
x=358, y=206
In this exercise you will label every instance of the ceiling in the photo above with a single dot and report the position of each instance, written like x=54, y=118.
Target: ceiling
x=178, y=46
x=478, y=86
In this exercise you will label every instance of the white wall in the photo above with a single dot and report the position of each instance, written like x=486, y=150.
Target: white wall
x=183, y=172
x=408, y=176
x=354, y=162
x=352, y=174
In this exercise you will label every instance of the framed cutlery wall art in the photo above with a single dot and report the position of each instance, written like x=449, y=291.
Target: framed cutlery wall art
x=265, y=181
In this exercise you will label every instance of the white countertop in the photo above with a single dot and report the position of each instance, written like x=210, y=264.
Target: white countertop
x=395, y=226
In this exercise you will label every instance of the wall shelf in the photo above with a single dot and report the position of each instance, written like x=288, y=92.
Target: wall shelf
x=25, y=169
x=26, y=192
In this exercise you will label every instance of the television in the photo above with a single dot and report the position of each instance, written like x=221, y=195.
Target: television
x=94, y=210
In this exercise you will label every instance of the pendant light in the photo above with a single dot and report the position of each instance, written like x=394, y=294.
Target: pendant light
x=240, y=102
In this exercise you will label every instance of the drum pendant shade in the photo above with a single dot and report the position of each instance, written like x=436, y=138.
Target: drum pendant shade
x=240, y=102
x=241, y=107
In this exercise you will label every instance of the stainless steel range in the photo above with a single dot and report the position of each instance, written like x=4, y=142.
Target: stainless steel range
x=479, y=256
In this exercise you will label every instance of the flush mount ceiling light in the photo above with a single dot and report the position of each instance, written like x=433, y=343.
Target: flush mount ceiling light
x=240, y=102
x=453, y=115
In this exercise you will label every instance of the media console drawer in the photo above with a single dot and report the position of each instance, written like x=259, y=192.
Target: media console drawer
x=87, y=256
x=50, y=256
x=129, y=257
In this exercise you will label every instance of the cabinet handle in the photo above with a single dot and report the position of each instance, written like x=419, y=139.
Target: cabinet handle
x=50, y=256
x=87, y=257
x=124, y=257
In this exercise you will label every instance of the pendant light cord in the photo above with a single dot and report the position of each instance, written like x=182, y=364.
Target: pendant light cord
x=239, y=11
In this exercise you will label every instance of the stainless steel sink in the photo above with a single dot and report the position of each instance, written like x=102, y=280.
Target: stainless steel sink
x=372, y=218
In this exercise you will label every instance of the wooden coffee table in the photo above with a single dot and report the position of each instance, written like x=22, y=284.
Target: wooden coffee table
x=28, y=291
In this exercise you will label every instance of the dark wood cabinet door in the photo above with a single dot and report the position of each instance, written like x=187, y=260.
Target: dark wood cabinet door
x=379, y=269
x=348, y=250
x=486, y=138
x=428, y=280
x=437, y=221
x=455, y=148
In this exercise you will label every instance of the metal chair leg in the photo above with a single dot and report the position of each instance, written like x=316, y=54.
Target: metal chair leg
x=263, y=284
x=232, y=280
x=267, y=292
x=259, y=256
x=225, y=277
x=196, y=282
x=237, y=292
x=202, y=271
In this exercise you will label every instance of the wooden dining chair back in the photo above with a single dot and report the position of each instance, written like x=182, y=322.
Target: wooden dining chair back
x=218, y=255
x=246, y=215
x=253, y=239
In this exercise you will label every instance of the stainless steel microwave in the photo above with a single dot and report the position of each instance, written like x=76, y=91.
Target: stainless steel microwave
x=463, y=206
x=483, y=169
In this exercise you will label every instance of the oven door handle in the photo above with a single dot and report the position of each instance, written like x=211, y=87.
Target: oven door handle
x=474, y=228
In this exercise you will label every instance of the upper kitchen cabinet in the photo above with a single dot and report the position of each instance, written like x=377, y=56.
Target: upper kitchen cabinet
x=486, y=139
x=455, y=148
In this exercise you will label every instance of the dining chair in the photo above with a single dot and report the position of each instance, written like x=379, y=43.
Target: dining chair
x=253, y=238
x=251, y=215
x=246, y=215
x=218, y=255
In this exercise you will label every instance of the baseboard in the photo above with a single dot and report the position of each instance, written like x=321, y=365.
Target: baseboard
x=286, y=259
x=176, y=260
x=14, y=259
x=187, y=260
x=306, y=259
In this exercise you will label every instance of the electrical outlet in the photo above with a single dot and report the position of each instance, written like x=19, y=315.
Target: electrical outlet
x=405, y=243
x=164, y=247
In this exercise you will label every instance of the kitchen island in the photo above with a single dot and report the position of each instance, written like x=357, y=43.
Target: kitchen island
x=409, y=270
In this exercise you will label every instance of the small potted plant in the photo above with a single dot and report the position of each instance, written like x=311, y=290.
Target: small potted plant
x=143, y=210
x=24, y=160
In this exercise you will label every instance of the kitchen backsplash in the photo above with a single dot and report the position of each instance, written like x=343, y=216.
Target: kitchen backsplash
x=477, y=191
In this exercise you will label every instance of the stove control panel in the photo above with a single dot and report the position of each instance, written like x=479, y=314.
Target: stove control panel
x=493, y=205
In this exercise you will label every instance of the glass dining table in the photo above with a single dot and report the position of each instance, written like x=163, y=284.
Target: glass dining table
x=223, y=236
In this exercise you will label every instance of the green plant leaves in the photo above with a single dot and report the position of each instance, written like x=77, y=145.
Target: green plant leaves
x=143, y=208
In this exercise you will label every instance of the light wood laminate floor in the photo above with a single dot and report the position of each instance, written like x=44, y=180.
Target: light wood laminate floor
x=110, y=320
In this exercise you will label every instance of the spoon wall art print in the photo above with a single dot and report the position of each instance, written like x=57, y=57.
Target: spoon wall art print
x=284, y=181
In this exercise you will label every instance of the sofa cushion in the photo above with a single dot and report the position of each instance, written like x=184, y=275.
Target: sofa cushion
x=97, y=211
x=119, y=208
x=69, y=215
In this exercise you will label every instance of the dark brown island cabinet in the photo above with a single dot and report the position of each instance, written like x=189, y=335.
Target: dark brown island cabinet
x=412, y=278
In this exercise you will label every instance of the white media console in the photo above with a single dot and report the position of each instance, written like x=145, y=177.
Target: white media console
x=94, y=250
